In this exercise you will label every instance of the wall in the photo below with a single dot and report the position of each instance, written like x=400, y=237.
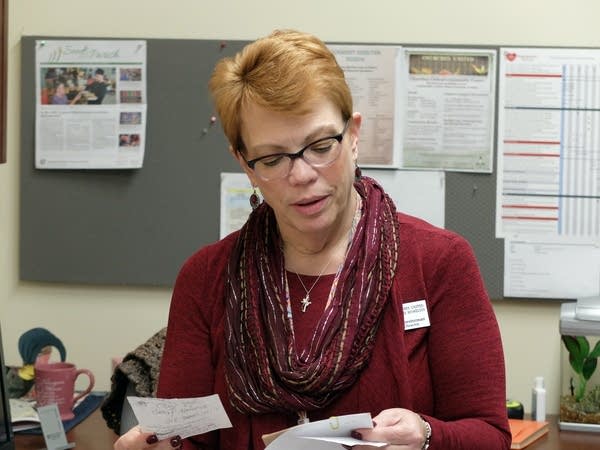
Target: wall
x=95, y=322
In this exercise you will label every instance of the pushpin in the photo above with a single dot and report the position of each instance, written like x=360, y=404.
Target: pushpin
x=213, y=120
x=204, y=131
x=223, y=45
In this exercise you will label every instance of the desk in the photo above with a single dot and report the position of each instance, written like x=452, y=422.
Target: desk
x=91, y=434
x=565, y=440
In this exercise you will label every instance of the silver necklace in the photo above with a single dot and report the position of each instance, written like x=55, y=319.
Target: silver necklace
x=306, y=300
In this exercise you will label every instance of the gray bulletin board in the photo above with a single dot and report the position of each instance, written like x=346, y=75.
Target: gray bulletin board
x=133, y=227
x=136, y=227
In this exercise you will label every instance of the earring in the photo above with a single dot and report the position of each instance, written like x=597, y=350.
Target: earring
x=357, y=173
x=254, y=199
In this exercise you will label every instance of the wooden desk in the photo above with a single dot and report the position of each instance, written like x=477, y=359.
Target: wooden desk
x=565, y=440
x=91, y=434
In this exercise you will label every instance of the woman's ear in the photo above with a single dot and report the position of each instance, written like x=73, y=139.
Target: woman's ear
x=355, y=123
x=242, y=162
x=238, y=156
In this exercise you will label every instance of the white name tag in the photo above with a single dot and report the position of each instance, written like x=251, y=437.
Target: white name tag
x=53, y=429
x=415, y=315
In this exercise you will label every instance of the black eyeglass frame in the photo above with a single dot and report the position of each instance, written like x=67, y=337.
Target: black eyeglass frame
x=299, y=153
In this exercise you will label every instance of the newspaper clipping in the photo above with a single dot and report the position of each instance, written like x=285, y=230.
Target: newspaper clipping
x=90, y=104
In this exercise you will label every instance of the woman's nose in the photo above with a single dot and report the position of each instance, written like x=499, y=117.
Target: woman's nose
x=301, y=171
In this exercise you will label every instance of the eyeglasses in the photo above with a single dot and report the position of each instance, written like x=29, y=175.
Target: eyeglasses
x=320, y=153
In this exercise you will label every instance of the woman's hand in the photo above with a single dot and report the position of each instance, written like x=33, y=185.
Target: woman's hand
x=398, y=427
x=136, y=439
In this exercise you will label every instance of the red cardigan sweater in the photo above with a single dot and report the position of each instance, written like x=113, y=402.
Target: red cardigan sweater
x=452, y=372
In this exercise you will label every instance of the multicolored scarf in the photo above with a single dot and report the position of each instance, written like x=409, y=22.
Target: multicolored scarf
x=264, y=373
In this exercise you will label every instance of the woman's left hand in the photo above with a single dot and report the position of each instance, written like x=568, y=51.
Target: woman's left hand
x=401, y=428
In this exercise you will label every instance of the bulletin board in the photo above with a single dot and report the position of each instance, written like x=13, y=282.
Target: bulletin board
x=137, y=227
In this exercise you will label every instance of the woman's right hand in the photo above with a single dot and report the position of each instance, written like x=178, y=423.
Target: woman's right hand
x=136, y=439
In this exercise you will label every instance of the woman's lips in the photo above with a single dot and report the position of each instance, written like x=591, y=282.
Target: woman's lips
x=310, y=206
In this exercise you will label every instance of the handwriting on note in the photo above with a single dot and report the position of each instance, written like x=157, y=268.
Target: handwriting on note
x=179, y=416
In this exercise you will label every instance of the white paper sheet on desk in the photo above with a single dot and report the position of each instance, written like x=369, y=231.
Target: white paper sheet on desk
x=326, y=434
x=179, y=416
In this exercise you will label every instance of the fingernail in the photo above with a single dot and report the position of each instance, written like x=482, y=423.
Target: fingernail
x=356, y=435
x=152, y=439
x=175, y=441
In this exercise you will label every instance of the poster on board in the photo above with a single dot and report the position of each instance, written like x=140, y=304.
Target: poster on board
x=90, y=104
x=548, y=183
x=449, y=109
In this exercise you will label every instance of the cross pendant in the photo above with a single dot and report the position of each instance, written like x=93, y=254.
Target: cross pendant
x=305, y=302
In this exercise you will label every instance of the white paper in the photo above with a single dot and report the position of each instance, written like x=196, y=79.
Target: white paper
x=349, y=441
x=416, y=315
x=23, y=411
x=551, y=269
x=548, y=143
x=90, y=104
x=548, y=185
x=326, y=434
x=183, y=417
x=370, y=71
x=235, y=202
x=418, y=193
x=449, y=109
x=52, y=428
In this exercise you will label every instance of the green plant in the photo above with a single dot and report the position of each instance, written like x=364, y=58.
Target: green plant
x=591, y=402
x=582, y=360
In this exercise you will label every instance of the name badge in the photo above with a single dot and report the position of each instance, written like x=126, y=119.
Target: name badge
x=415, y=315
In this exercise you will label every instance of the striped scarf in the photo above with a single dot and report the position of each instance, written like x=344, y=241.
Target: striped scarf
x=264, y=373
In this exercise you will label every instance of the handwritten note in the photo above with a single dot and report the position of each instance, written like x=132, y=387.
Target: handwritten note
x=179, y=416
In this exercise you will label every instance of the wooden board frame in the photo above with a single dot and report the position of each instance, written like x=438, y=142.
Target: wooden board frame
x=3, y=78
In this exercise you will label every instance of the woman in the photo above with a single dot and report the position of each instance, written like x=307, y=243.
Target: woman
x=327, y=301
x=60, y=95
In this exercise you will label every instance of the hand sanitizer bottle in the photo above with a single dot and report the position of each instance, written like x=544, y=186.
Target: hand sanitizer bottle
x=538, y=400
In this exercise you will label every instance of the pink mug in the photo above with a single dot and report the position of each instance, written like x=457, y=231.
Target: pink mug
x=55, y=383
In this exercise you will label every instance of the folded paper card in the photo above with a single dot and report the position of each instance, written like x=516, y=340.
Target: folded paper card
x=325, y=434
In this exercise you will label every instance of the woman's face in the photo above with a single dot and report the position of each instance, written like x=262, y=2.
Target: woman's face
x=309, y=199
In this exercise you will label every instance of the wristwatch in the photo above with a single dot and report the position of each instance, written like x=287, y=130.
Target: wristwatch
x=427, y=428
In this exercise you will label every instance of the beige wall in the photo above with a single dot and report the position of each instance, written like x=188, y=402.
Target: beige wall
x=96, y=322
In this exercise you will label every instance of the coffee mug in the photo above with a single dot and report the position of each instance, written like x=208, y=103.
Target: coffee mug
x=55, y=383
